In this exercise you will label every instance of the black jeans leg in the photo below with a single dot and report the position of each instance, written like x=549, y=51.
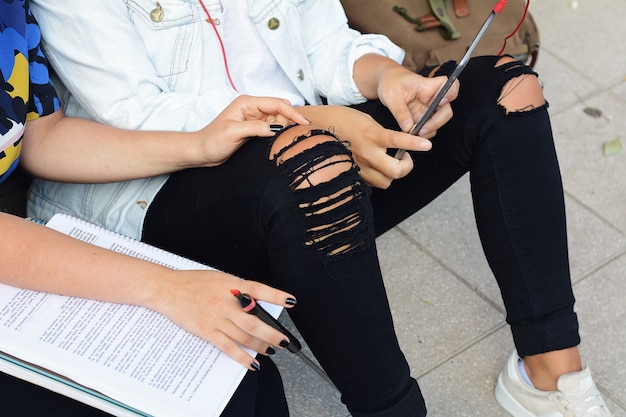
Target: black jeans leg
x=517, y=195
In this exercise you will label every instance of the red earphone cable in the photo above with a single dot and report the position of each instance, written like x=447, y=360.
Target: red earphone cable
x=219, y=38
x=516, y=27
x=230, y=80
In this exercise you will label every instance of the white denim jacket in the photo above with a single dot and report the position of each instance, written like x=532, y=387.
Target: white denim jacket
x=140, y=64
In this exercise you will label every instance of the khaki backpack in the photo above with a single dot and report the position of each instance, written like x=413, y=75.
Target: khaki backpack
x=434, y=31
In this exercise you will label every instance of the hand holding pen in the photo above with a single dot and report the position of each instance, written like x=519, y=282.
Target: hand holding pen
x=415, y=130
x=201, y=303
x=256, y=335
x=250, y=306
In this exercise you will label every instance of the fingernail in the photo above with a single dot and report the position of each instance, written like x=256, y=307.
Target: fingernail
x=270, y=351
x=255, y=366
x=291, y=301
x=284, y=343
x=276, y=127
x=426, y=144
x=407, y=125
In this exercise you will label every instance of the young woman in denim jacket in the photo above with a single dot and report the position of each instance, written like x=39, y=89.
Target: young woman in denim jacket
x=302, y=212
x=38, y=258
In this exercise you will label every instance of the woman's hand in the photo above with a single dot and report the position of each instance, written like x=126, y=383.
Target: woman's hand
x=406, y=94
x=201, y=302
x=369, y=142
x=107, y=154
x=244, y=118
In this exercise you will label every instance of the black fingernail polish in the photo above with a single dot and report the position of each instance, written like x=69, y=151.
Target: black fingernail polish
x=255, y=366
x=291, y=301
x=270, y=351
x=276, y=127
x=284, y=343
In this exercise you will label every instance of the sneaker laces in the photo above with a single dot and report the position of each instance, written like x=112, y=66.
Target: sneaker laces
x=588, y=404
x=579, y=395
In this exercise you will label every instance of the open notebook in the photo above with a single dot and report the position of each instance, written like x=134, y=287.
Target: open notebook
x=123, y=359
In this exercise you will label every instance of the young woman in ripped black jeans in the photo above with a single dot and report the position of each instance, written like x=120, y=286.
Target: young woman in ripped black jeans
x=301, y=212
x=296, y=214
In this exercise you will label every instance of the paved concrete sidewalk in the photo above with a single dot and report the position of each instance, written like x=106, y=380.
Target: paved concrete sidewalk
x=446, y=304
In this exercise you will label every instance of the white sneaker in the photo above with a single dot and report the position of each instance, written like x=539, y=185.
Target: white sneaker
x=577, y=395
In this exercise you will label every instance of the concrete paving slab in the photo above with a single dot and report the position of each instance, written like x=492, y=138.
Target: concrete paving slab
x=596, y=180
x=436, y=315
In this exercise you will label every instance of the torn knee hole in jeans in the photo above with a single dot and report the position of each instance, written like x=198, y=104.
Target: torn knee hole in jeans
x=328, y=189
x=523, y=91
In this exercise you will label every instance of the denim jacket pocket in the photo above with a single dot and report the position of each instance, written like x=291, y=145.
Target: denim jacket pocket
x=167, y=29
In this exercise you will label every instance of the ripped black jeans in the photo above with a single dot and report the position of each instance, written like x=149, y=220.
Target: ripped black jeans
x=258, y=216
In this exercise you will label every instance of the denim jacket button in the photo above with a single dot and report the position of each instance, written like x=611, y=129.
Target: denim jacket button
x=300, y=75
x=273, y=23
x=156, y=15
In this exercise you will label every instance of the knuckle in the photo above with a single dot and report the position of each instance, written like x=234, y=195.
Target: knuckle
x=224, y=344
x=396, y=173
x=249, y=323
x=394, y=142
x=246, y=339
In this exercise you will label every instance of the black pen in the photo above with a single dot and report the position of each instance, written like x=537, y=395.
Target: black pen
x=249, y=305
